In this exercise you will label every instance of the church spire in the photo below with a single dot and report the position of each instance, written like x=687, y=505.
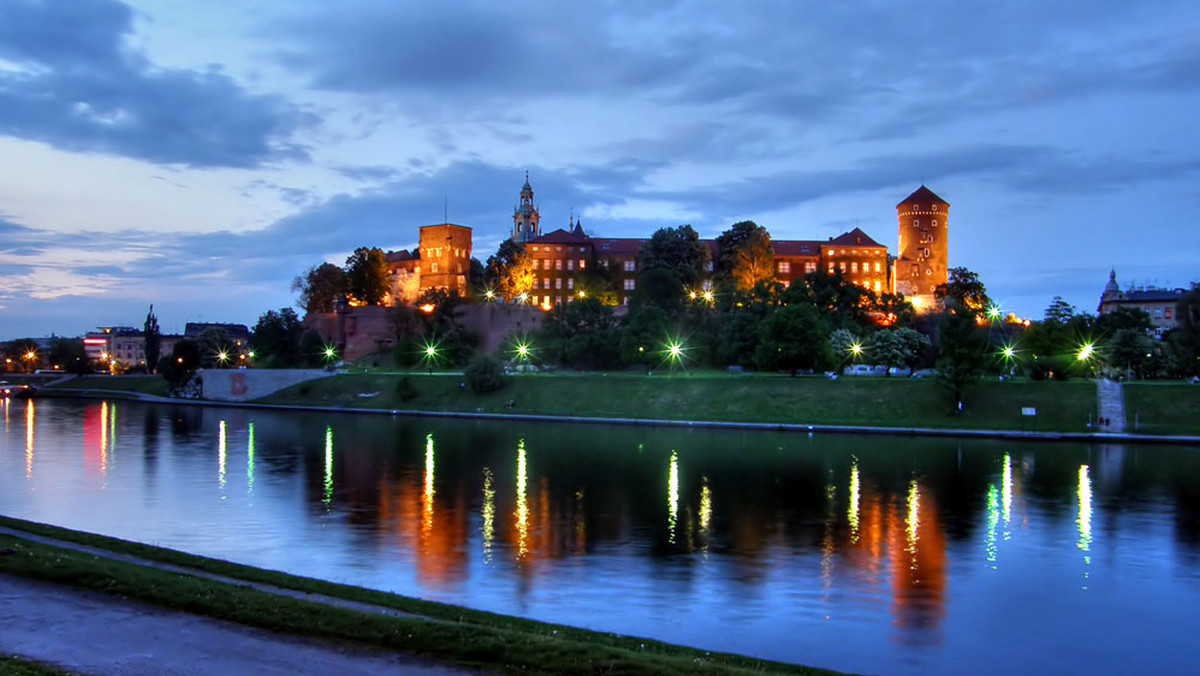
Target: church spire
x=525, y=216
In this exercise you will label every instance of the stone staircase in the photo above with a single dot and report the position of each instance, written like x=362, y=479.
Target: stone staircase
x=1110, y=404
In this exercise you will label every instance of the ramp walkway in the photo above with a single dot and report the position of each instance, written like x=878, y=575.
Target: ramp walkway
x=1110, y=406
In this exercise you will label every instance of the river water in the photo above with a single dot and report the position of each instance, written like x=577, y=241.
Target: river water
x=857, y=553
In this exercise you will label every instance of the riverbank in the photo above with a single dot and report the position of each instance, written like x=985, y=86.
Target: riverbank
x=360, y=619
x=888, y=405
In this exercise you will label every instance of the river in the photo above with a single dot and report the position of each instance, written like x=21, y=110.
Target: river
x=857, y=553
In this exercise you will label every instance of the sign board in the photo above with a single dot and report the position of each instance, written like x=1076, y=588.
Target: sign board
x=1028, y=410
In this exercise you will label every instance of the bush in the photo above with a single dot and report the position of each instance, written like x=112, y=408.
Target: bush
x=405, y=389
x=484, y=374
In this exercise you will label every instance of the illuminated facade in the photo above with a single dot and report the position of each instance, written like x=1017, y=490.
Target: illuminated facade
x=442, y=260
x=922, y=254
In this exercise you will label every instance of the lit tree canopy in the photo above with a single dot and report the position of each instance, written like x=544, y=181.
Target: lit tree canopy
x=510, y=271
x=964, y=288
x=744, y=255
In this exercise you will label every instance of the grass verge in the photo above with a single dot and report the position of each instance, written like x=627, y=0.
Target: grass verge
x=1162, y=407
x=883, y=402
x=451, y=634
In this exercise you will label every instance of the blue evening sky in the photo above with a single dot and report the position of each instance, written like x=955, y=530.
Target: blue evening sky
x=199, y=155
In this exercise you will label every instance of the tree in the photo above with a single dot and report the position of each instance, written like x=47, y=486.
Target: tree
x=1059, y=311
x=509, y=272
x=581, y=334
x=320, y=286
x=70, y=355
x=180, y=366
x=846, y=346
x=962, y=351
x=276, y=339
x=744, y=255
x=669, y=264
x=645, y=331
x=893, y=309
x=845, y=305
x=896, y=348
x=216, y=348
x=484, y=373
x=367, y=278
x=793, y=338
x=23, y=353
x=152, y=340
x=964, y=288
x=1185, y=340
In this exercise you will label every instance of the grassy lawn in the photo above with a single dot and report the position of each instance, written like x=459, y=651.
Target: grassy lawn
x=1162, y=407
x=140, y=384
x=900, y=402
x=450, y=634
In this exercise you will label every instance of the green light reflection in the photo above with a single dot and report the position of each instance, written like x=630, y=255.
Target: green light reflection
x=250, y=459
x=993, y=520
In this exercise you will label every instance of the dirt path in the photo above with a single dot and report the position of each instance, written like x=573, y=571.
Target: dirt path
x=94, y=633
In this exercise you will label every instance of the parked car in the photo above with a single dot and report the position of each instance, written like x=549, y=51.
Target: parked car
x=866, y=370
x=925, y=373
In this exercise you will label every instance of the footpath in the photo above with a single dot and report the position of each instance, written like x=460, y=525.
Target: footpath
x=92, y=633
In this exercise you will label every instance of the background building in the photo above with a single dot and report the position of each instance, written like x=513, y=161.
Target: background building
x=1160, y=304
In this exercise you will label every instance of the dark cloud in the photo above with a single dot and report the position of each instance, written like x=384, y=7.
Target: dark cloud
x=82, y=89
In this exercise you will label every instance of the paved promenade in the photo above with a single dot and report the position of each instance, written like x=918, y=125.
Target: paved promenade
x=92, y=633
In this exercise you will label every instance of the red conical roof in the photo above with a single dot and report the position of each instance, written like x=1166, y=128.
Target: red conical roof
x=921, y=195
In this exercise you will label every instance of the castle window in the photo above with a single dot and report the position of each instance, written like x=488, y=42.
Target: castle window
x=571, y=264
x=878, y=267
x=842, y=266
x=433, y=267
x=629, y=266
x=926, y=252
x=582, y=263
x=558, y=300
x=1158, y=313
x=545, y=282
x=934, y=222
x=629, y=285
x=558, y=248
x=809, y=267
x=570, y=282
x=877, y=286
x=929, y=271
x=785, y=267
x=558, y=264
x=854, y=267
x=1167, y=313
x=916, y=223
x=533, y=248
x=558, y=283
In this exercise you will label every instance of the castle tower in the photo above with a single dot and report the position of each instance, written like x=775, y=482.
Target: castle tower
x=921, y=255
x=525, y=216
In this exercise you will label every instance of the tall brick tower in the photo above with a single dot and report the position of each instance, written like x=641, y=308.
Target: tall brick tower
x=525, y=216
x=921, y=255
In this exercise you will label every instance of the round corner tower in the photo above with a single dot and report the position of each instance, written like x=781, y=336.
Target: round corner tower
x=921, y=255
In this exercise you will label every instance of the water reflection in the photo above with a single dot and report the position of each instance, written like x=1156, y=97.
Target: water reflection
x=861, y=534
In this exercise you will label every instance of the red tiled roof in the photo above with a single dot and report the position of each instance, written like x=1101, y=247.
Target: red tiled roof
x=560, y=236
x=796, y=247
x=921, y=195
x=855, y=237
x=618, y=247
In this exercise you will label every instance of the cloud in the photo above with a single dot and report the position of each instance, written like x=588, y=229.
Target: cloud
x=78, y=86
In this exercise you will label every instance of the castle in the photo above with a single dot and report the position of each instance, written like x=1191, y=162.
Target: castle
x=562, y=256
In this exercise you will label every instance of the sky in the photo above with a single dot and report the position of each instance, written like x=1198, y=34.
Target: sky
x=198, y=156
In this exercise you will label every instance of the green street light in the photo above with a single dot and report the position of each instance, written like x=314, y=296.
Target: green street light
x=1086, y=352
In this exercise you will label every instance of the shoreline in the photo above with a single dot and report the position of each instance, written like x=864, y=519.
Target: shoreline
x=809, y=428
